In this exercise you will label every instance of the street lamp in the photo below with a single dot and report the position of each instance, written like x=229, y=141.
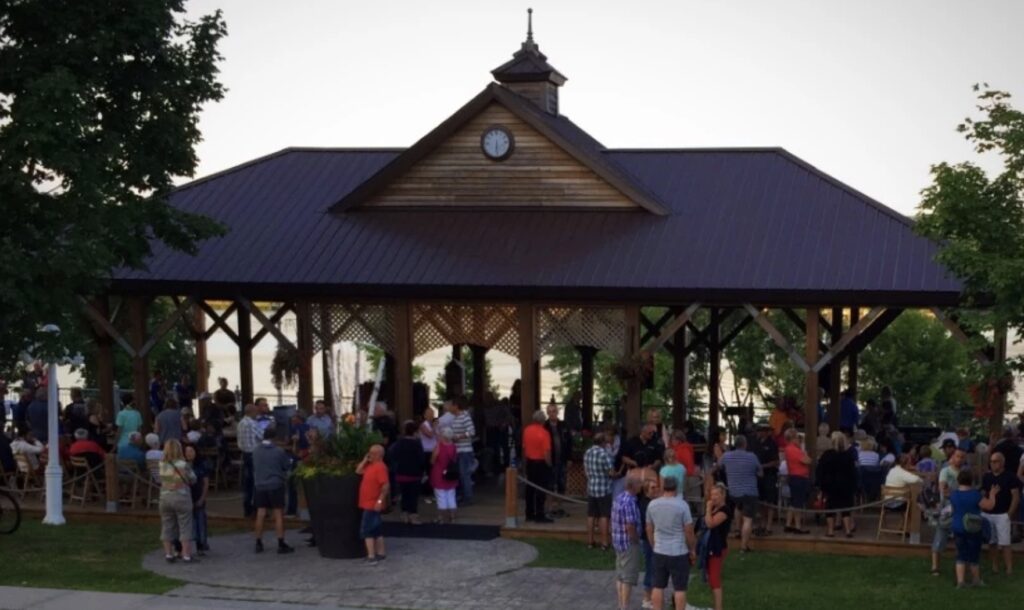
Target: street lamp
x=54, y=473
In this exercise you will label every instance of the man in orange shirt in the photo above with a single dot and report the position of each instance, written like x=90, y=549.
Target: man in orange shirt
x=373, y=493
x=537, y=458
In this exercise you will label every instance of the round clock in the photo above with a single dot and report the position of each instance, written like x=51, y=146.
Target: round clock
x=497, y=143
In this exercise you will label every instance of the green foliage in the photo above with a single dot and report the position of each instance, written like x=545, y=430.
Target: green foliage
x=99, y=112
x=284, y=368
x=926, y=369
x=174, y=355
x=761, y=368
x=340, y=453
x=467, y=363
x=978, y=220
x=373, y=358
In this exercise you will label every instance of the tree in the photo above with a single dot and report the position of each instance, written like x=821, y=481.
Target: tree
x=99, y=111
x=761, y=368
x=374, y=355
x=925, y=367
x=467, y=366
x=978, y=220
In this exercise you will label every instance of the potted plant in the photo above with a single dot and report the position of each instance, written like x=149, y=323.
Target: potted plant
x=331, y=485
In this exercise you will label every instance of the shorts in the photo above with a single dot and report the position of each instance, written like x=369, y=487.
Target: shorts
x=747, y=505
x=445, y=499
x=676, y=567
x=268, y=498
x=370, y=525
x=968, y=548
x=599, y=507
x=768, y=487
x=940, y=538
x=627, y=565
x=1000, y=526
x=799, y=490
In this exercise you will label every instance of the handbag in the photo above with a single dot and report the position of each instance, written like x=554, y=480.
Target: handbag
x=451, y=470
x=973, y=523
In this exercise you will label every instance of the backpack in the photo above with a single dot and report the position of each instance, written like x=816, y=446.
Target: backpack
x=973, y=523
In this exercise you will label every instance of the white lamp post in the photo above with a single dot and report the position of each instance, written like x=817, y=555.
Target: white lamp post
x=54, y=472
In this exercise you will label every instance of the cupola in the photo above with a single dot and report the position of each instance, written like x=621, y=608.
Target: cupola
x=530, y=75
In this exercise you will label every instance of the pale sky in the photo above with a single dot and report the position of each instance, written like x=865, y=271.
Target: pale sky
x=869, y=91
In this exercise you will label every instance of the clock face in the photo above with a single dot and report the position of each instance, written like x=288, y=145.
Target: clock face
x=497, y=143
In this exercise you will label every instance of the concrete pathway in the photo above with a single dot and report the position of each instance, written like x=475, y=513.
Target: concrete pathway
x=23, y=598
x=419, y=574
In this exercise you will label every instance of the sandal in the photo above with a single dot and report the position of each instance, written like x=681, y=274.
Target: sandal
x=934, y=572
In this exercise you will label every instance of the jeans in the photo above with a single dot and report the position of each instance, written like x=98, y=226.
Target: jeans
x=466, y=460
x=538, y=473
x=199, y=528
x=247, y=484
x=410, y=491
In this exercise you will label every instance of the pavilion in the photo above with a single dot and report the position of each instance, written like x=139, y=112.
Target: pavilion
x=509, y=227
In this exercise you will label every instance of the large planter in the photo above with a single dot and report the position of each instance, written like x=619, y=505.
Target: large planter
x=334, y=515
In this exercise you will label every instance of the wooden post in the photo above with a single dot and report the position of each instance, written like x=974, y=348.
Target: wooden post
x=244, y=330
x=587, y=384
x=634, y=389
x=527, y=370
x=304, y=327
x=104, y=361
x=811, y=383
x=111, y=482
x=914, y=527
x=325, y=354
x=995, y=423
x=511, y=497
x=202, y=360
x=390, y=386
x=715, y=375
x=835, y=369
x=403, y=362
x=479, y=370
x=852, y=366
x=680, y=377
x=137, y=331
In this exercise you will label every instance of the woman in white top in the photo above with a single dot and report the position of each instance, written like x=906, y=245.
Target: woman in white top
x=28, y=446
x=428, y=436
x=900, y=475
x=867, y=456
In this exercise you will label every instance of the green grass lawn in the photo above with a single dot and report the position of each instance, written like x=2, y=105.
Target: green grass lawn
x=90, y=556
x=785, y=581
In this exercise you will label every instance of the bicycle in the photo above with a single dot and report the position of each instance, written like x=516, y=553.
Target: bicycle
x=10, y=513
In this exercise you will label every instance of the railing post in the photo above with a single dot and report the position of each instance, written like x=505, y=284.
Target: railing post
x=511, y=496
x=915, y=515
x=112, y=483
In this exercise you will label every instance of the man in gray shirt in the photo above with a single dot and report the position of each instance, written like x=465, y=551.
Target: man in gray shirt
x=168, y=422
x=670, y=530
x=742, y=469
x=270, y=466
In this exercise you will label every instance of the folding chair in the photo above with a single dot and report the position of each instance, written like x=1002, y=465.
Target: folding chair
x=897, y=500
x=128, y=474
x=28, y=476
x=87, y=487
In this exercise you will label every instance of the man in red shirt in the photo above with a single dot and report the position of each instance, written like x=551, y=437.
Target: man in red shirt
x=537, y=458
x=373, y=493
x=87, y=448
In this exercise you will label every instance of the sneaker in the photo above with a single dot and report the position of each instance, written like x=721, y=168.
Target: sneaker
x=170, y=558
x=190, y=559
x=381, y=557
x=259, y=546
x=647, y=604
x=284, y=549
x=370, y=561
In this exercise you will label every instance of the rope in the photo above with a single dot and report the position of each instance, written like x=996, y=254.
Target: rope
x=570, y=499
x=65, y=483
x=828, y=511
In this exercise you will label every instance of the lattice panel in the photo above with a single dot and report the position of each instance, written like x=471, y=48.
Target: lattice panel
x=490, y=326
x=601, y=328
x=370, y=324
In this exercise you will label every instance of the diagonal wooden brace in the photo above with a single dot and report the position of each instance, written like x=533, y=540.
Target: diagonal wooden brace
x=266, y=323
x=959, y=334
x=777, y=337
x=670, y=329
x=106, y=326
x=854, y=331
x=166, y=326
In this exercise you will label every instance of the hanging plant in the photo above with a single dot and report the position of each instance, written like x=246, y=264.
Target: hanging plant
x=284, y=369
x=634, y=369
x=989, y=394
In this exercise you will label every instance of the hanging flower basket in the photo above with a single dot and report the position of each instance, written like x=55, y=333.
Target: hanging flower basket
x=633, y=369
x=989, y=394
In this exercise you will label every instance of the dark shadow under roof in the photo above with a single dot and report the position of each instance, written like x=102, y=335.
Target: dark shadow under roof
x=743, y=225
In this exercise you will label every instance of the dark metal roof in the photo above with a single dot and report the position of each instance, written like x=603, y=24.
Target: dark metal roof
x=743, y=225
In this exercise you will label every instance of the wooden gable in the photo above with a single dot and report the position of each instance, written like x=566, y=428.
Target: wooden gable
x=539, y=173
